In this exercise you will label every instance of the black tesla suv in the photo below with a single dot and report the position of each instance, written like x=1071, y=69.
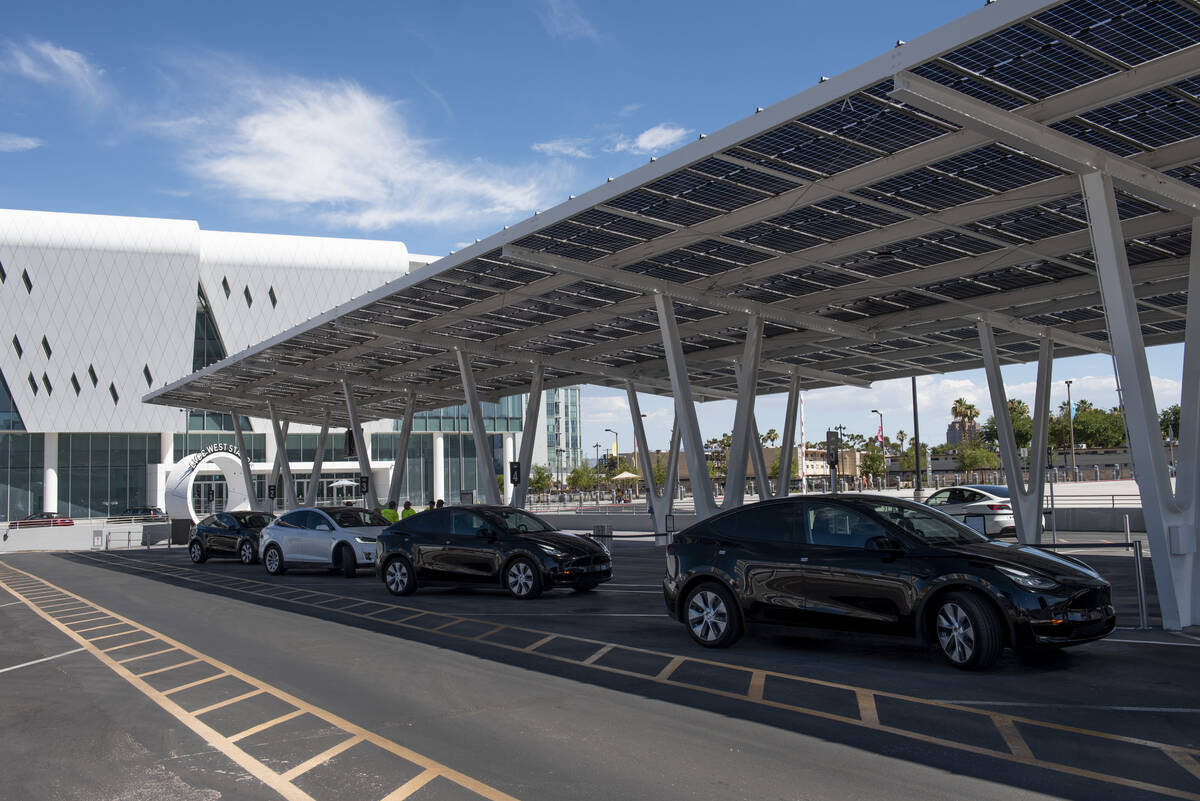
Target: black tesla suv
x=497, y=545
x=881, y=564
x=228, y=534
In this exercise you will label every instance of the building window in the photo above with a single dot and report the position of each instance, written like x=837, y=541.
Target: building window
x=225, y=286
x=146, y=374
x=17, y=347
x=33, y=384
x=46, y=383
x=3, y=275
x=271, y=295
x=46, y=347
x=28, y=282
x=249, y=298
x=74, y=383
x=92, y=375
x=112, y=390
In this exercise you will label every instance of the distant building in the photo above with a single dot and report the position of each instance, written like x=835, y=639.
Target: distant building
x=960, y=430
x=559, y=430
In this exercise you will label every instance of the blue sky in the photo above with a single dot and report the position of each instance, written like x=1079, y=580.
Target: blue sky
x=433, y=123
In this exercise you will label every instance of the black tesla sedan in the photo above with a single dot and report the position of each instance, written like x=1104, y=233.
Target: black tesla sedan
x=881, y=564
x=497, y=545
x=228, y=534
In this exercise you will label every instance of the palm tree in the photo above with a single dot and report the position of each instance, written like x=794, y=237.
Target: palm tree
x=901, y=437
x=963, y=410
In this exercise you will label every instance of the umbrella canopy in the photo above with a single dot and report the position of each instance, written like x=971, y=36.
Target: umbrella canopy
x=344, y=482
x=625, y=476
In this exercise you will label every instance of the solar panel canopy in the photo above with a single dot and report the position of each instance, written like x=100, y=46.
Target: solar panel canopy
x=868, y=235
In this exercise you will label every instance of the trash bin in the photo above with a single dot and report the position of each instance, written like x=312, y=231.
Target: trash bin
x=603, y=534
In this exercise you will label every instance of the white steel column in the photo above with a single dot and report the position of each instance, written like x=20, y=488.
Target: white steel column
x=280, y=448
x=483, y=449
x=672, y=485
x=50, y=472
x=639, y=437
x=660, y=498
x=281, y=455
x=314, y=480
x=1170, y=517
x=371, y=497
x=533, y=409
x=685, y=409
x=508, y=457
x=1026, y=501
x=743, y=415
x=244, y=455
x=401, y=462
x=760, y=463
x=439, y=466
x=787, y=449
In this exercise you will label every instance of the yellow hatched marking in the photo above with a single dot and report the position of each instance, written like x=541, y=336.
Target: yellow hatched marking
x=411, y=786
x=195, y=683
x=866, y=708
x=320, y=759
x=1184, y=760
x=540, y=643
x=97, y=628
x=270, y=724
x=757, y=680
x=58, y=609
x=78, y=614
x=165, y=669
x=1012, y=738
x=109, y=636
x=87, y=620
x=226, y=702
x=670, y=668
x=490, y=632
x=128, y=644
x=445, y=625
x=143, y=656
x=598, y=655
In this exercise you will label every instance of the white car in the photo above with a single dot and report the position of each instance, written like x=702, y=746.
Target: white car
x=989, y=501
x=338, y=537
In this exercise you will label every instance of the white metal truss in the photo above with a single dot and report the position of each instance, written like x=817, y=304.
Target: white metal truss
x=314, y=481
x=401, y=461
x=483, y=448
x=787, y=448
x=244, y=456
x=285, y=464
x=371, y=496
x=533, y=410
x=744, y=439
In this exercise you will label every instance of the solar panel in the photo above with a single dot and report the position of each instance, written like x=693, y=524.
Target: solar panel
x=1130, y=32
x=1155, y=119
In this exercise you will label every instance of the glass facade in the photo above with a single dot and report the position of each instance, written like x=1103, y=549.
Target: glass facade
x=21, y=474
x=460, y=454
x=563, y=430
x=10, y=418
x=196, y=441
x=303, y=448
x=103, y=474
x=503, y=415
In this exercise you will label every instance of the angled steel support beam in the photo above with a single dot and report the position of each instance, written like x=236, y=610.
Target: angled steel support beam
x=659, y=499
x=360, y=444
x=276, y=467
x=285, y=465
x=240, y=439
x=787, y=450
x=743, y=415
x=685, y=409
x=314, y=481
x=401, y=461
x=1170, y=521
x=533, y=410
x=484, y=471
x=719, y=301
x=639, y=437
x=1045, y=143
x=1019, y=326
x=761, y=482
x=1026, y=501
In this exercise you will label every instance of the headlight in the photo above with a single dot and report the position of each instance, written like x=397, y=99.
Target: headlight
x=1030, y=581
x=365, y=540
x=553, y=553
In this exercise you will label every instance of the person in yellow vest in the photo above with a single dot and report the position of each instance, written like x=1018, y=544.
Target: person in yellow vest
x=389, y=512
x=407, y=511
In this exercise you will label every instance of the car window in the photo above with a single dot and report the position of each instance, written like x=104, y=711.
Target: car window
x=354, y=517
x=776, y=522
x=316, y=518
x=253, y=519
x=956, y=496
x=435, y=521
x=227, y=520
x=938, y=498
x=209, y=521
x=930, y=527
x=971, y=496
x=841, y=526
x=523, y=522
x=465, y=523
x=297, y=519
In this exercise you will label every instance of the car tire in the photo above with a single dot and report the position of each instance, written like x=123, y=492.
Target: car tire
x=273, y=561
x=968, y=631
x=246, y=553
x=712, y=616
x=349, y=563
x=398, y=577
x=523, y=579
x=197, y=553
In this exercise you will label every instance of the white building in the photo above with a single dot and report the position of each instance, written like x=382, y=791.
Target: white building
x=558, y=443
x=96, y=310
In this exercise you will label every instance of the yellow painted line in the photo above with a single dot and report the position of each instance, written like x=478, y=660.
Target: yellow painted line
x=757, y=679
x=355, y=606
x=195, y=683
x=446, y=625
x=79, y=614
x=1184, y=760
x=143, y=656
x=670, y=668
x=866, y=708
x=226, y=702
x=110, y=636
x=97, y=628
x=58, y=609
x=226, y=745
x=87, y=620
x=270, y=724
x=598, y=655
x=129, y=644
x=321, y=758
x=490, y=632
x=1012, y=738
x=411, y=786
x=165, y=669
x=852, y=721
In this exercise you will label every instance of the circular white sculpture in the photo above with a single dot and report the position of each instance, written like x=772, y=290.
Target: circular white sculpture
x=225, y=458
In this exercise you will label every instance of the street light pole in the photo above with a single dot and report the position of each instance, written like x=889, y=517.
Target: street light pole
x=1071, y=427
x=916, y=441
x=616, y=444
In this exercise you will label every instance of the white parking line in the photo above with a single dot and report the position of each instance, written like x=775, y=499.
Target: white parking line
x=1153, y=642
x=1183, y=710
x=43, y=659
x=11, y=603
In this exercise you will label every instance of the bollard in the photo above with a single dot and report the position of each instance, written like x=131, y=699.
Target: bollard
x=1126, y=529
x=1143, y=618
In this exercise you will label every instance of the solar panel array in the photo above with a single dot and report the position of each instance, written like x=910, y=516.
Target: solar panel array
x=863, y=211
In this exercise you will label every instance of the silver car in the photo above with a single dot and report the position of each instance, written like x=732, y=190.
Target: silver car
x=970, y=502
x=336, y=537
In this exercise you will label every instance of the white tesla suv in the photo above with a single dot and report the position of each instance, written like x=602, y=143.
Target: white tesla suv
x=337, y=537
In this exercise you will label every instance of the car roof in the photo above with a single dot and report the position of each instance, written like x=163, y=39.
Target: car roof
x=995, y=489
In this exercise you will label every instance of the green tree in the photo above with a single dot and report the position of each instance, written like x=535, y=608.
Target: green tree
x=582, y=478
x=540, y=478
x=769, y=438
x=773, y=471
x=660, y=469
x=1098, y=428
x=963, y=410
x=873, y=463
x=717, y=453
x=1168, y=420
x=1022, y=423
x=974, y=457
x=901, y=438
x=908, y=457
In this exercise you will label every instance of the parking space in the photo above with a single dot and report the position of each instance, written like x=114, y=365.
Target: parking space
x=1108, y=720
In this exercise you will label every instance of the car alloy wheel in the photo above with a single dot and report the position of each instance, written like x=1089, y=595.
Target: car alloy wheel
x=956, y=633
x=708, y=616
x=246, y=553
x=196, y=552
x=273, y=560
x=397, y=577
x=522, y=580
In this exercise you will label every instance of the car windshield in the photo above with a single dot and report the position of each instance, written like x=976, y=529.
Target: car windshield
x=927, y=525
x=358, y=518
x=523, y=522
x=253, y=519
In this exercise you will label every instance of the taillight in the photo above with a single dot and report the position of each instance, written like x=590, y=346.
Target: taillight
x=999, y=507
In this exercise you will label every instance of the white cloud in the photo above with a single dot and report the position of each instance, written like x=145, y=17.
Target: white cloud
x=15, y=143
x=661, y=137
x=605, y=410
x=628, y=109
x=47, y=63
x=573, y=148
x=346, y=155
x=562, y=19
